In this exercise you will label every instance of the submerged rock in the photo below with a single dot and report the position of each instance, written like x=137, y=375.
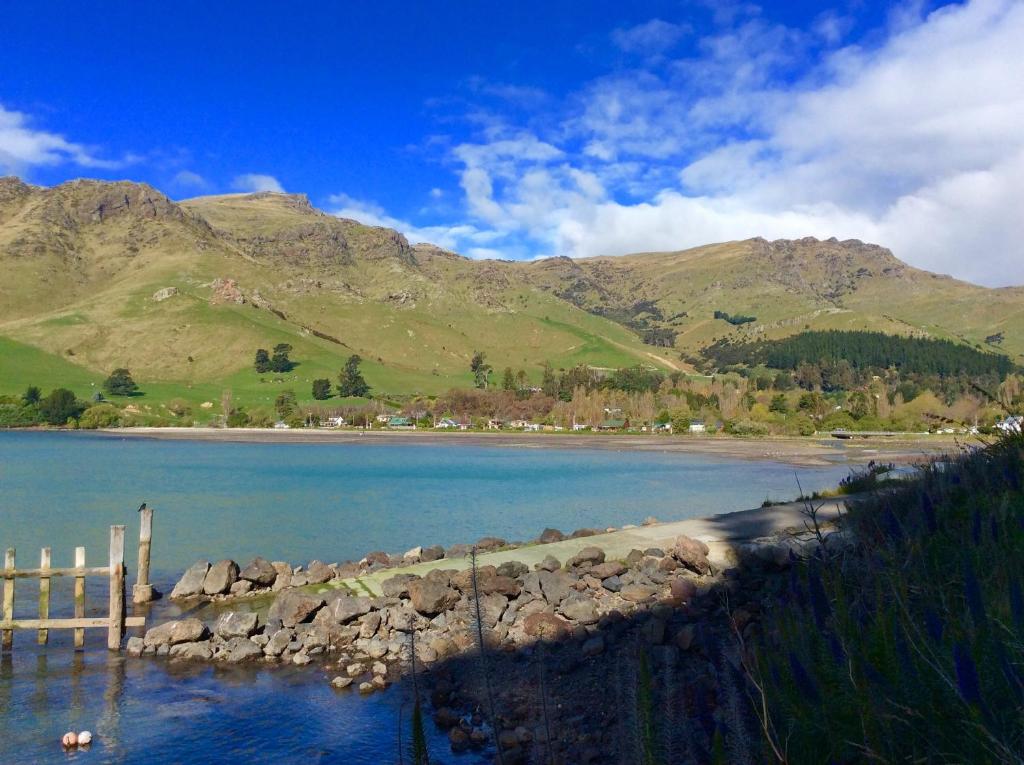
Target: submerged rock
x=171, y=633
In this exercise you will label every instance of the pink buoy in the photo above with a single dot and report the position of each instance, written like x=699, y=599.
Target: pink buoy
x=70, y=740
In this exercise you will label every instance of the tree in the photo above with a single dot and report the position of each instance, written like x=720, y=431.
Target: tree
x=778, y=404
x=481, y=369
x=286, y=404
x=321, y=389
x=350, y=379
x=548, y=382
x=262, y=363
x=31, y=396
x=521, y=381
x=508, y=380
x=858, y=403
x=120, y=383
x=60, y=406
x=675, y=376
x=280, y=362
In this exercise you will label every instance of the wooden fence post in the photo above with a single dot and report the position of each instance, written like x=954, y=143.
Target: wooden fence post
x=79, y=596
x=8, y=636
x=142, y=591
x=115, y=630
x=44, y=593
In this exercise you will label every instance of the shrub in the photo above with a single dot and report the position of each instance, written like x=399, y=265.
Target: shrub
x=60, y=406
x=100, y=416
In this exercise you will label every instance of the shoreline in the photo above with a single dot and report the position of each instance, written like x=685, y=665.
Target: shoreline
x=815, y=451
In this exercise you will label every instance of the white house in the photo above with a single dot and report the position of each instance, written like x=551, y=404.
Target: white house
x=333, y=422
x=697, y=426
x=1013, y=424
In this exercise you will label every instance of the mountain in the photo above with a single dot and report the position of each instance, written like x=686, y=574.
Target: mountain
x=98, y=275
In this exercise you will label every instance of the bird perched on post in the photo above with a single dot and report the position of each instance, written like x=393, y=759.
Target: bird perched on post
x=142, y=507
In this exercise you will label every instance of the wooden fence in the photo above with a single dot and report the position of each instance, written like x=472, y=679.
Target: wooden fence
x=115, y=622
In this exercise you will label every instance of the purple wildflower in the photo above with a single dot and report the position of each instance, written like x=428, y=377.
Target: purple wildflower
x=967, y=682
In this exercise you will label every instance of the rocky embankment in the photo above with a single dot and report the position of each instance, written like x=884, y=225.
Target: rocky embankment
x=575, y=611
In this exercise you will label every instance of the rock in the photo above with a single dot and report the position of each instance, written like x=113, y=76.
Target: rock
x=606, y=570
x=238, y=650
x=171, y=633
x=486, y=544
x=550, y=563
x=492, y=607
x=344, y=608
x=195, y=651
x=282, y=582
x=397, y=586
x=446, y=718
x=667, y=564
x=513, y=569
x=637, y=593
x=226, y=291
x=654, y=552
x=279, y=642
x=458, y=739
x=683, y=590
x=490, y=584
x=294, y=607
x=241, y=587
x=431, y=597
x=366, y=688
x=341, y=682
x=260, y=572
x=555, y=586
x=612, y=584
x=318, y=573
x=355, y=669
x=588, y=555
x=550, y=535
x=162, y=294
x=579, y=608
x=580, y=533
x=191, y=582
x=301, y=659
x=507, y=739
x=369, y=624
x=135, y=646
x=235, y=624
x=458, y=551
x=650, y=520
x=430, y=554
x=593, y=647
x=634, y=557
x=377, y=649
x=684, y=638
x=378, y=557
x=692, y=553
x=220, y=577
x=546, y=626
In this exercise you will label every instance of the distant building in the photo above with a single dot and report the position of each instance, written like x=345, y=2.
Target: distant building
x=401, y=422
x=661, y=427
x=613, y=424
x=1013, y=424
x=450, y=424
x=697, y=426
x=333, y=422
x=281, y=425
x=495, y=424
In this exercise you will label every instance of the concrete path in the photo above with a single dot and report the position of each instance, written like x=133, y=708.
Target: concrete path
x=718, y=531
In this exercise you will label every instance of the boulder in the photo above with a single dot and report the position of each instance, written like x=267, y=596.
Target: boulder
x=279, y=642
x=260, y=572
x=397, y=586
x=485, y=544
x=220, y=577
x=164, y=293
x=637, y=593
x=199, y=650
x=430, y=554
x=344, y=608
x=415, y=555
x=458, y=551
x=135, y=646
x=554, y=585
x=491, y=609
x=593, y=647
x=171, y=633
x=241, y=587
x=609, y=569
x=318, y=573
x=546, y=626
x=684, y=638
x=341, y=682
x=588, y=555
x=191, y=582
x=579, y=608
x=238, y=650
x=369, y=624
x=235, y=624
x=513, y=569
x=692, y=553
x=612, y=584
x=431, y=597
x=683, y=590
x=378, y=557
x=634, y=557
x=293, y=608
x=550, y=563
x=580, y=533
x=550, y=535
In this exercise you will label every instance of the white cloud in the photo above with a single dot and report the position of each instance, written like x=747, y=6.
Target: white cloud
x=650, y=38
x=186, y=179
x=916, y=142
x=23, y=146
x=254, y=182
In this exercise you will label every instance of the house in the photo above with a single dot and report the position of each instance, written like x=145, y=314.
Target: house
x=697, y=426
x=662, y=427
x=523, y=425
x=332, y=422
x=613, y=424
x=401, y=422
x=449, y=424
x=1012, y=424
x=495, y=424
x=281, y=425
x=383, y=419
x=578, y=426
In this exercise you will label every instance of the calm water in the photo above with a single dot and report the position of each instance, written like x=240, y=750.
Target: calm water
x=289, y=502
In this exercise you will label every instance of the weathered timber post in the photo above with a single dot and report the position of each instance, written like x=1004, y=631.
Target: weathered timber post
x=79, y=596
x=115, y=630
x=142, y=591
x=44, y=594
x=8, y=635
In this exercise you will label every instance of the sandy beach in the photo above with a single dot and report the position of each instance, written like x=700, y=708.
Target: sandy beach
x=816, y=451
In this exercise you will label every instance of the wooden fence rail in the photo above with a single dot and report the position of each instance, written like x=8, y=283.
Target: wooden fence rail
x=116, y=621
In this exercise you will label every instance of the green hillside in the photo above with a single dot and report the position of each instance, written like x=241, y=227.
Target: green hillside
x=100, y=275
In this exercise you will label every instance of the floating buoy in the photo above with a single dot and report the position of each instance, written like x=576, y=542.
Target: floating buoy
x=84, y=738
x=70, y=739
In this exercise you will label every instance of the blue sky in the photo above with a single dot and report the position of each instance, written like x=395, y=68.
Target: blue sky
x=529, y=129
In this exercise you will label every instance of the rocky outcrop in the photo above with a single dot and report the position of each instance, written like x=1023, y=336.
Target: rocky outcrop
x=191, y=582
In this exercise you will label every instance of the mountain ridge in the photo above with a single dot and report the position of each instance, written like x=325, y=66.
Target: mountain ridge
x=84, y=259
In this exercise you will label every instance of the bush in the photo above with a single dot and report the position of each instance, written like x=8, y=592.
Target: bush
x=238, y=419
x=60, y=406
x=100, y=416
x=179, y=407
x=746, y=428
x=120, y=383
